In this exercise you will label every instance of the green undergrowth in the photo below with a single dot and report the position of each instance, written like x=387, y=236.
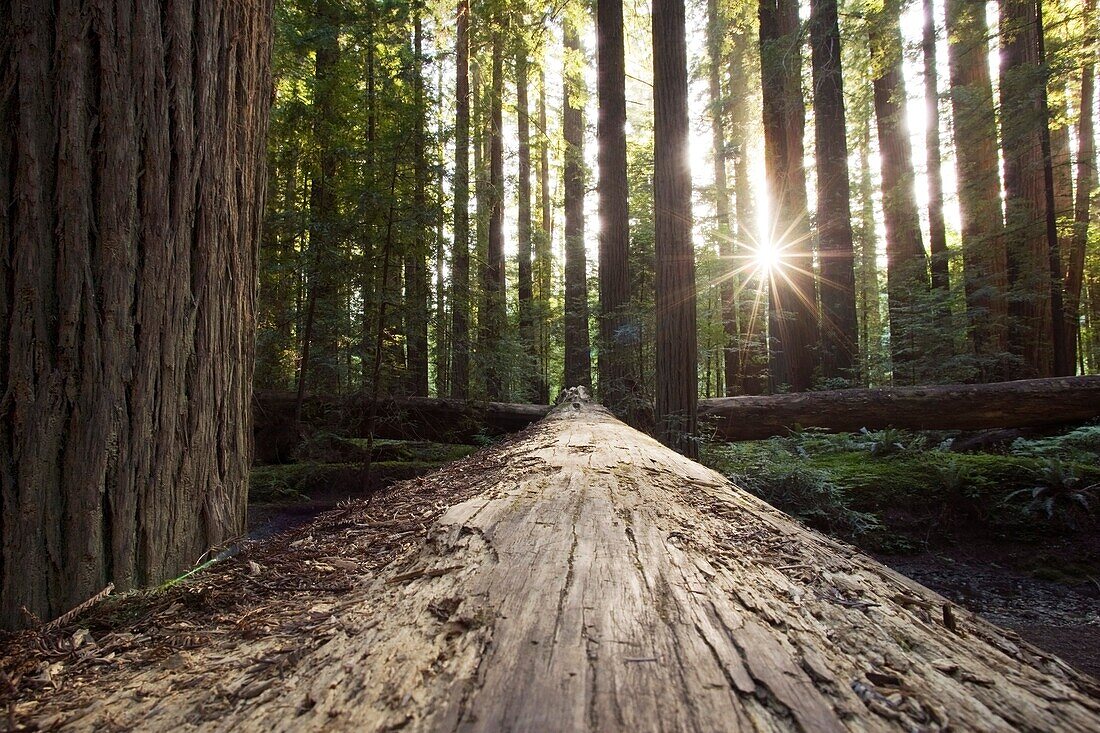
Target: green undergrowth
x=324, y=447
x=895, y=491
x=300, y=481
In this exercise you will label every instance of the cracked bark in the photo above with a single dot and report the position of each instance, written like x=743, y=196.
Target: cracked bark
x=683, y=603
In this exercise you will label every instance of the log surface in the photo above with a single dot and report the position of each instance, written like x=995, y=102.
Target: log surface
x=602, y=582
x=1024, y=403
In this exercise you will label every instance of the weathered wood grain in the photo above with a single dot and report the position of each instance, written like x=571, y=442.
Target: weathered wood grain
x=607, y=583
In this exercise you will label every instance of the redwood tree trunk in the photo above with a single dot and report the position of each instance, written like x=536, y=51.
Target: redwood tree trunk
x=132, y=149
x=578, y=359
x=985, y=265
x=937, y=230
x=614, y=351
x=1086, y=183
x=529, y=388
x=677, y=381
x=907, y=284
x=1022, y=124
x=416, y=258
x=543, y=258
x=460, y=268
x=492, y=320
x=792, y=300
x=839, y=330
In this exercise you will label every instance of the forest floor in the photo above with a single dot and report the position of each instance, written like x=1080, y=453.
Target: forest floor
x=428, y=603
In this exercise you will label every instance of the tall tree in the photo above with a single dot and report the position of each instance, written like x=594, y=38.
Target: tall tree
x=319, y=363
x=127, y=289
x=1086, y=184
x=523, y=228
x=792, y=300
x=614, y=356
x=416, y=255
x=460, y=266
x=727, y=276
x=937, y=229
x=839, y=337
x=493, y=319
x=1022, y=125
x=677, y=380
x=984, y=260
x=907, y=283
x=543, y=259
x=578, y=357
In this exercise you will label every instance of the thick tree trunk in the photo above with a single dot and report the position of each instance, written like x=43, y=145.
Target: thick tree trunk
x=132, y=149
x=578, y=355
x=937, y=229
x=529, y=389
x=583, y=577
x=677, y=358
x=907, y=284
x=985, y=264
x=1022, y=123
x=460, y=264
x=792, y=297
x=615, y=341
x=1026, y=403
x=493, y=315
x=839, y=329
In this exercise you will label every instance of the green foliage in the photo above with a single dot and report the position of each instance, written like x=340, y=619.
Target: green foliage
x=1060, y=493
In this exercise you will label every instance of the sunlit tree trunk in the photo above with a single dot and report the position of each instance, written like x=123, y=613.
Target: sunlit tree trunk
x=132, y=156
x=578, y=358
x=460, y=264
x=907, y=284
x=529, y=387
x=723, y=232
x=1022, y=124
x=792, y=306
x=543, y=259
x=868, y=298
x=493, y=319
x=677, y=357
x=937, y=230
x=750, y=336
x=614, y=347
x=839, y=337
x=416, y=269
x=1086, y=184
x=984, y=260
x=442, y=331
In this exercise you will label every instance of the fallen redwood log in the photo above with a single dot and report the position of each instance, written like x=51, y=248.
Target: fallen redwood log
x=592, y=579
x=403, y=418
x=1025, y=403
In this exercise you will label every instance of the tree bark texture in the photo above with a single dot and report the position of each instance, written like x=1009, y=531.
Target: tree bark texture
x=1086, y=184
x=544, y=262
x=839, y=330
x=530, y=386
x=1025, y=403
x=792, y=297
x=578, y=355
x=493, y=315
x=677, y=357
x=1022, y=123
x=937, y=229
x=132, y=151
x=460, y=267
x=907, y=283
x=616, y=338
x=985, y=264
x=584, y=577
